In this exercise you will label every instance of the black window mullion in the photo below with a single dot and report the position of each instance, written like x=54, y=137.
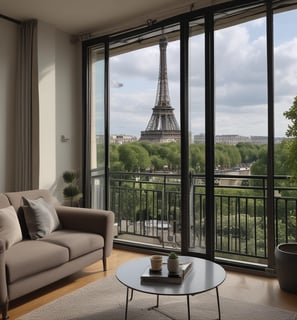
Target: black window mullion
x=184, y=119
x=270, y=154
x=209, y=133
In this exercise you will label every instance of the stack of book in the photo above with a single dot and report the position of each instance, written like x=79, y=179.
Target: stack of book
x=166, y=277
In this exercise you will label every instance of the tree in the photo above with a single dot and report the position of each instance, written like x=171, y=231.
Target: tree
x=226, y=156
x=281, y=155
x=291, y=115
x=260, y=166
x=134, y=157
x=248, y=151
x=157, y=162
x=281, y=166
x=197, y=158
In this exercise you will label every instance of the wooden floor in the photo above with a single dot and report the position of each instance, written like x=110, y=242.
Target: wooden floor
x=239, y=286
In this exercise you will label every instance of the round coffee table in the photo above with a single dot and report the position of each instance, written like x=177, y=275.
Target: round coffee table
x=204, y=276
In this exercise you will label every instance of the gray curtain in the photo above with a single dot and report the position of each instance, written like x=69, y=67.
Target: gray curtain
x=27, y=109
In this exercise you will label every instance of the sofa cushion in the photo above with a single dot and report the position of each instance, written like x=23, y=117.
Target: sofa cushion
x=78, y=243
x=30, y=257
x=16, y=199
x=10, y=230
x=4, y=203
x=41, y=217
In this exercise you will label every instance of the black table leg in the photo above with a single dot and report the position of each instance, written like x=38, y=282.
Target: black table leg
x=157, y=305
x=218, y=301
x=126, y=309
x=127, y=301
x=188, y=305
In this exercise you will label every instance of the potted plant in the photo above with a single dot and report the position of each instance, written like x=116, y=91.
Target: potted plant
x=286, y=265
x=173, y=262
x=71, y=192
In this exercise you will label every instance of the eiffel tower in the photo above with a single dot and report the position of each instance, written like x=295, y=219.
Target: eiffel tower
x=162, y=126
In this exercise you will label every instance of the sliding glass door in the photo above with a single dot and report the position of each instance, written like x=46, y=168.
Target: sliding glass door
x=196, y=116
x=97, y=127
x=145, y=137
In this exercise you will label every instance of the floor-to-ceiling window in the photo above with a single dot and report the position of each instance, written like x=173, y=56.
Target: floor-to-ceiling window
x=241, y=134
x=285, y=76
x=197, y=210
x=145, y=137
x=219, y=72
x=95, y=122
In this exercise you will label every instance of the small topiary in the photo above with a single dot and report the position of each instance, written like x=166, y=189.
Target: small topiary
x=71, y=192
x=70, y=176
x=172, y=255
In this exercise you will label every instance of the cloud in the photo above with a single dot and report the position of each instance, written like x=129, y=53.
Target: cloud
x=240, y=82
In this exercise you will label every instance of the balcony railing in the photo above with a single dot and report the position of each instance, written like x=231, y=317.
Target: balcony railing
x=147, y=209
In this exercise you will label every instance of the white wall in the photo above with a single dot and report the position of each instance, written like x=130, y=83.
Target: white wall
x=59, y=101
x=8, y=59
x=60, y=106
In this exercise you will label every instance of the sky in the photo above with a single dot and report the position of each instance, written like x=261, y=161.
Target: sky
x=240, y=80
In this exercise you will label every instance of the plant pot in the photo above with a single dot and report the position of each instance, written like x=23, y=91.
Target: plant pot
x=286, y=266
x=173, y=265
x=156, y=263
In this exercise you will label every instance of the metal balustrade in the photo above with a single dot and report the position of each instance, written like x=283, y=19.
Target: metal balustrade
x=147, y=209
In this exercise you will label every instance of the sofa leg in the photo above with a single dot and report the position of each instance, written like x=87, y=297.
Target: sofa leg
x=104, y=263
x=5, y=311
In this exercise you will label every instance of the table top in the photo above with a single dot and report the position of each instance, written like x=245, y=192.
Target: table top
x=204, y=275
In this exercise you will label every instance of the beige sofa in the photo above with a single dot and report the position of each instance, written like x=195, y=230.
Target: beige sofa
x=77, y=238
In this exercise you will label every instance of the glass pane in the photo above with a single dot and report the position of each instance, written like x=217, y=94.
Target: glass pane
x=145, y=135
x=285, y=68
x=197, y=133
x=241, y=141
x=97, y=141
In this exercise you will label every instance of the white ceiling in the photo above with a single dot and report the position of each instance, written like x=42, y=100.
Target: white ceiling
x=97, y=16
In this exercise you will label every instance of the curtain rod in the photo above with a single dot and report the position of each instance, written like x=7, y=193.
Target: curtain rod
x=9, y=19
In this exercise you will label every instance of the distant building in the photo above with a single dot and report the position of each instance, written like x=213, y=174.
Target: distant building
x=259, y=139
x=199, y=138
x=116, y=138
x=233, y=139
x=121, y=138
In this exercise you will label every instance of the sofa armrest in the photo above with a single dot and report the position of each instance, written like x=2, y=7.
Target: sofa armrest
x=3, y=284
x=89, y=220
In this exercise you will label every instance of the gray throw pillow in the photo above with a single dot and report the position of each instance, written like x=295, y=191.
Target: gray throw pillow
x=41, y=218
x=10, y=230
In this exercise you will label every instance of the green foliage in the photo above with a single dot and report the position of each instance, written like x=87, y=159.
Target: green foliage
x=248, y=151
x=71, y=191
x=139, y=156
x=291, y=115
x=259, y=167
x=197, y=158
x=157, y=162
x=281, y=159
x=172, y=255
x=134, y=157
x=70, y=176
x=226, y=156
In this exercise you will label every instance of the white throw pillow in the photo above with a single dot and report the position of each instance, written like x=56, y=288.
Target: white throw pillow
x=41, y=218
x=10, y=229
